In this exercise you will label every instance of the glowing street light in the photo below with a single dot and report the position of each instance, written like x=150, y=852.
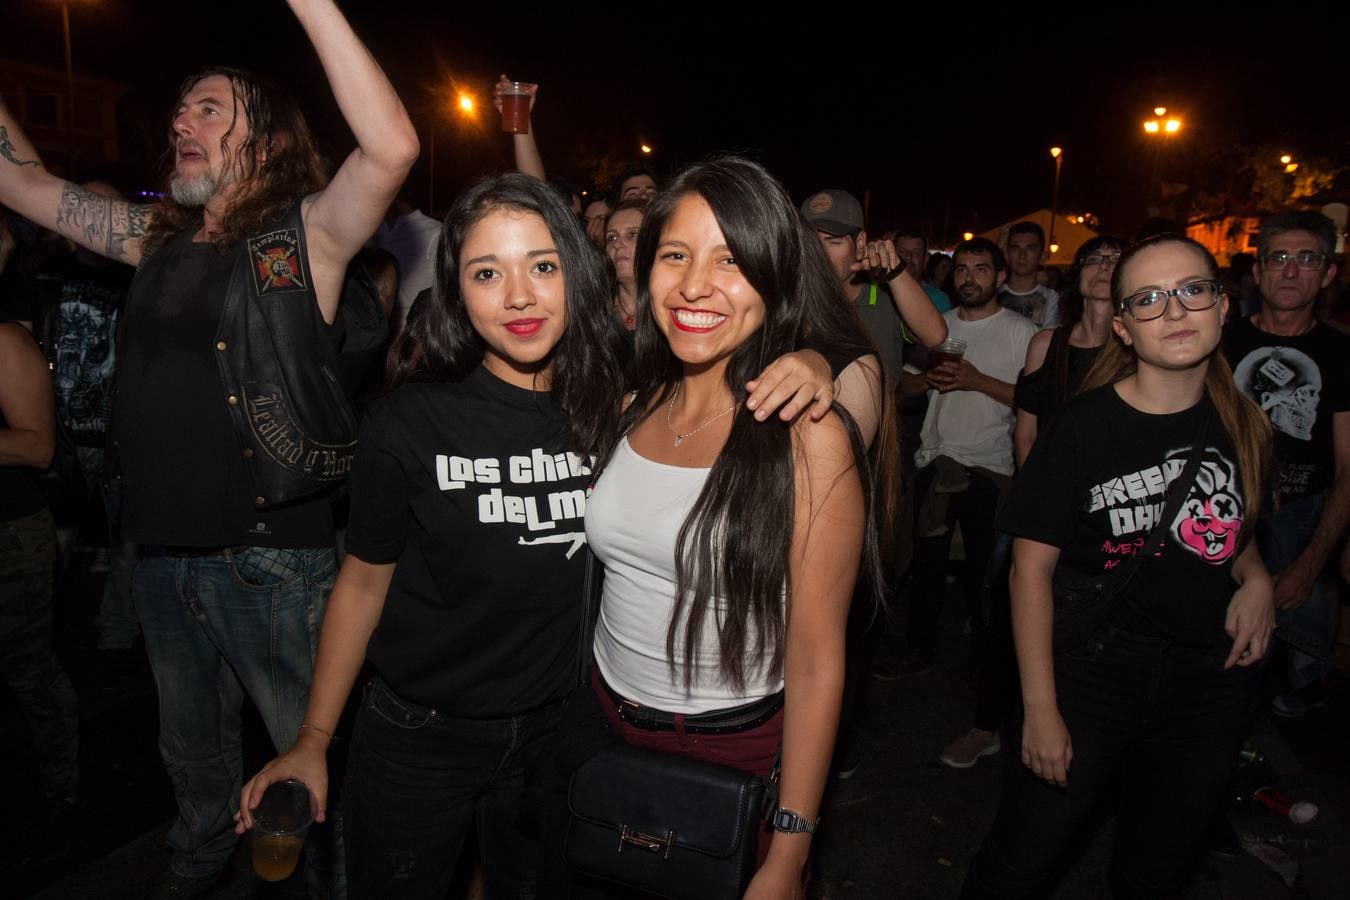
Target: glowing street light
x=1160, y=111
x=466, y=104
x=967, y=235
x=646, y=148
x=1151, y=126
x=1286, y=159
x=1172, y=126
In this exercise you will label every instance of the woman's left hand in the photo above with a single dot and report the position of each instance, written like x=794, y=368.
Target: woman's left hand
x=774, y=883
x=791, y=384
x=1250, y=620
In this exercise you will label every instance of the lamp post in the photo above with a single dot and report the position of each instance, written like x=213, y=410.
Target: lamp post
x=1057, y=154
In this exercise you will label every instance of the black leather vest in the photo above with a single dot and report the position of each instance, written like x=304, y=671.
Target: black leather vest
x=278, y=364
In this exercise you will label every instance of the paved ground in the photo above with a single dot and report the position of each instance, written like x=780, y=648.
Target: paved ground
x=903, y=826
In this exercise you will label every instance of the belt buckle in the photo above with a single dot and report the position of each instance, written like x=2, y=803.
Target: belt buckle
x=627, y=709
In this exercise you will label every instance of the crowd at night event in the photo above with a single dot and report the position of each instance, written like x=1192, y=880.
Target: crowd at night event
x=567, y=539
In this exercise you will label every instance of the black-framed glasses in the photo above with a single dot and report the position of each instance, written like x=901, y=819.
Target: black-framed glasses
x=1306, y=259
x=1103, y=259
x=1194, y=296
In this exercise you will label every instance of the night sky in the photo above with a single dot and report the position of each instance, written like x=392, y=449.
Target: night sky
x=946, y=120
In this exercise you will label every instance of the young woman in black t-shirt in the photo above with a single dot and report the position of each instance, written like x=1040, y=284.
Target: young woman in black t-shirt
x=1149, y=705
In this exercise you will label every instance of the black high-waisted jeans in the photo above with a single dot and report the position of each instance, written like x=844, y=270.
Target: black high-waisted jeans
x=1155, y=727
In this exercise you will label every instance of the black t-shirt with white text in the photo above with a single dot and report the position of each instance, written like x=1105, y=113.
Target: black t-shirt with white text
x=468, y=489
x=1301, y=382
x=1094, y=488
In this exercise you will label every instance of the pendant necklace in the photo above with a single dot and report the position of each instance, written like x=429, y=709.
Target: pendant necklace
x=679, y=438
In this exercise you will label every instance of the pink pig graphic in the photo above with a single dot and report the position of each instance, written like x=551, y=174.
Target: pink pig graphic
x=1211, y=517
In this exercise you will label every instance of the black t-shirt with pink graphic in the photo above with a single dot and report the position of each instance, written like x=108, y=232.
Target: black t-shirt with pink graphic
x=1094, y=485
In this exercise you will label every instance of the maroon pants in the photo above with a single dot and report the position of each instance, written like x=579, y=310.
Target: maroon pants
x=750, y=751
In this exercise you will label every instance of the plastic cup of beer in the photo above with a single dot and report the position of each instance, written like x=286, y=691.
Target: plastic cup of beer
x=950, y=350
x=279, y=824
x=516, y=107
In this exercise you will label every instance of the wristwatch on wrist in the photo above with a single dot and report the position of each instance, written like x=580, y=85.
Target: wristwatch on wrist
x=789, y=822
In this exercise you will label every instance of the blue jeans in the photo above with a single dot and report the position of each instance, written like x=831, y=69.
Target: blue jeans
x=216, y=626
x=417, y=778
x=1152, y=723
x=1307, y=629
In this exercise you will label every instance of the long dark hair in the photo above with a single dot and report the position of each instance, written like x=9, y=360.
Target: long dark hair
x=277, y=131
x=1246, y=425
x=440, y=344
x=1071, y=298
x=734, y=543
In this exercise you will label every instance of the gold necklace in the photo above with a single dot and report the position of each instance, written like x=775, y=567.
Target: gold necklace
x=670, y=407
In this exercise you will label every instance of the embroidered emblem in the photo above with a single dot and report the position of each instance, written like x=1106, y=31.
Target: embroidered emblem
x=276, y=261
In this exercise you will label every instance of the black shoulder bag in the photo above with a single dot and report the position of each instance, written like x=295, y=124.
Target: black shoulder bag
x=657, y=822
x=1082, y=602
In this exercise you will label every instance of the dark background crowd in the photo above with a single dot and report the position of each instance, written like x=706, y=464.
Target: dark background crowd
x=933, y=135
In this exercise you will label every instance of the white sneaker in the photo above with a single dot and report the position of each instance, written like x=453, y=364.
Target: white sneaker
x=966, y=750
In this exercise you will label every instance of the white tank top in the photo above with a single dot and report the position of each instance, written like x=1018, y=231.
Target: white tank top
x=633, y=519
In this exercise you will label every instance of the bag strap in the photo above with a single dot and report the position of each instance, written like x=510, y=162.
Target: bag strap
x=590, y=612
x=1176, y=495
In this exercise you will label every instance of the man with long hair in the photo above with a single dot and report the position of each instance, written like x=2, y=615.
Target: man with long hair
x=228, y=422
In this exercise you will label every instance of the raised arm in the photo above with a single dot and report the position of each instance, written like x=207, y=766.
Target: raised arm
x=524, y=146
x=826, y=549
x=111, y=228
x=340, y=218
x=918, y=313
x=351, y=616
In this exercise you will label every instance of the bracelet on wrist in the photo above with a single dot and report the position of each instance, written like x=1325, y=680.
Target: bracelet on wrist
x=332, y=738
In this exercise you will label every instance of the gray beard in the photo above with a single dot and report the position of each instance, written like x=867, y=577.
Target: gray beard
x=193, y=191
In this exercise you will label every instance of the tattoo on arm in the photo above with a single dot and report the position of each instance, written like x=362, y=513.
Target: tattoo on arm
x=102, y=224
x=7, y=150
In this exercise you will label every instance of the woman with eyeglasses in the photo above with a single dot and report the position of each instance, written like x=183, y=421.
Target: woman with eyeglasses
x=1144, y=707
x=1059, y=358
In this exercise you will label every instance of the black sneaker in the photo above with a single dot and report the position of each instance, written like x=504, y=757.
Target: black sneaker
x=1298, y=703
x=52, y=837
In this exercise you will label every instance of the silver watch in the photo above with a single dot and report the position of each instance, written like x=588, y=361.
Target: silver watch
x=789, y=822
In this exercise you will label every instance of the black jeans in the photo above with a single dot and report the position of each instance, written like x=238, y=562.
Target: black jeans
x=416, y=778
x=973, y=509
x=1152, y=723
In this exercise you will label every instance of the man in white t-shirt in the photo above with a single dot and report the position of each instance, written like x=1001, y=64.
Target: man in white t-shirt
x=965, y=459
x=1022, y=293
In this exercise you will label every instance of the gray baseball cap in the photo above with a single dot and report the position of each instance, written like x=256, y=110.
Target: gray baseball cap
x=833, y=212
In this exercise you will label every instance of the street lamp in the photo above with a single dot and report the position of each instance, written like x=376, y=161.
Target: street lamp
x=1057, y=154
x=967, y=235
x=646, y=149
x=1290, y=167
x=467, y=107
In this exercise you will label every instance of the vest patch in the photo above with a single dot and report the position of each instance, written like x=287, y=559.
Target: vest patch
x=276, y=262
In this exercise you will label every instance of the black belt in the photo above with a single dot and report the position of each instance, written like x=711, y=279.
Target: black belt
x=719, y=721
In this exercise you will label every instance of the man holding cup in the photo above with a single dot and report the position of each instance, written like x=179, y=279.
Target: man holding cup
x=964, y=463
